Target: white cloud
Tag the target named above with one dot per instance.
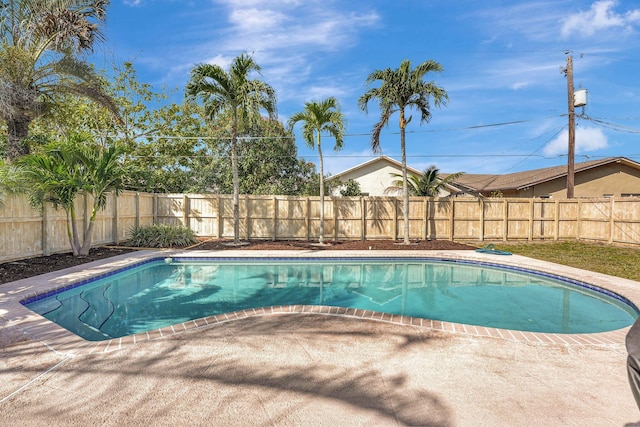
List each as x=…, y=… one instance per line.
x=515, y=73
x=600, y=17
x=222, y=61
x=587, y=139
x=249, y=3
x=291, y=34
x=286, y=36
x=536, y=20
x=256, y=20
x=321, y=91
x=519, y=85
x=286, y=24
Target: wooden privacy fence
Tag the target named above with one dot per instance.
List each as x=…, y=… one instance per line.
x=353, y=218
x=25, y=232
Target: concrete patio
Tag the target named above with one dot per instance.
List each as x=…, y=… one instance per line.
x=318, y=370
x=315, y=369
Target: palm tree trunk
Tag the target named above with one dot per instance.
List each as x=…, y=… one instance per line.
x=236, y=180
x=86, y=243
x=72, y=230
x=405, y=185
x=17, y=131
x=88, y=233
x=321, y=238
x=236, y=191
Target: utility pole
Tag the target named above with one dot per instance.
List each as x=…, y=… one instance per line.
x=572, y=129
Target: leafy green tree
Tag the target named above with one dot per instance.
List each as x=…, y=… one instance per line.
x=59, y=173
x=402, y=88
x=39, y=41
x=351, y=188
x=243, y=97
x=429, y=184
x=267, y=161
x=73, y=114
x=176, y=157
x=159, y=141
x=318, y=117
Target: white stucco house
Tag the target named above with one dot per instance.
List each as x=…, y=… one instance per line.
x=376, y=175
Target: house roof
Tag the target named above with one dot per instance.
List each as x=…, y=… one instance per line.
x=376, y=160
x=522, y=180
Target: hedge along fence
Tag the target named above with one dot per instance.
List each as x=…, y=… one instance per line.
x=25, y=232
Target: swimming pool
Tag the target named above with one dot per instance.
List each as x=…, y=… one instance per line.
x=161, y=292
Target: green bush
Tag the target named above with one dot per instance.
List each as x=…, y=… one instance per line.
x=351, y=188
x=162, y=236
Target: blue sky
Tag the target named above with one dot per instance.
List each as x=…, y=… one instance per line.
x=502, y=63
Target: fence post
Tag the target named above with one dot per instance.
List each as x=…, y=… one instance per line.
x=137, y=218
x=425, y=219
x=220, y=219
x=428, y=225
x=307, y=218
x=481, y=227
x=452, y=219
x=556, y=225
x=248, y=222
x=395, y=219
x=531, y=208
x=611, y=221
x=363, y=207
x=46, y=250
x=579, y=220
x=505, y=209
x=185, y=210
x=335, y=219
x=155, y=209
x=114, y=221
x=275, y=218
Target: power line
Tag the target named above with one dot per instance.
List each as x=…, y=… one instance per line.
x=243, y=138
x=360, y=156
x=537, y=149
x=612, y=126
x=613, y=58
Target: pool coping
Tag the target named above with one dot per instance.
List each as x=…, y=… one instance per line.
x=62, y=341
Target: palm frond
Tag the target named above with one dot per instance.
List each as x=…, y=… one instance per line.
x=320, y=116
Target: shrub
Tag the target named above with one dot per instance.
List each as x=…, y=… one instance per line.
x=162, y=236
x=351, y=188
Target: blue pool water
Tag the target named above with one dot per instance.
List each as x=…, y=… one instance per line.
x=161, y=293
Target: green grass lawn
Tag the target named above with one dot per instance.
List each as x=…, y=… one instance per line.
x=615, y=261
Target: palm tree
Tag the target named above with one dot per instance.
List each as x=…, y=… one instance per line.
x=11, y=180
x=318, y=117
x=62, y=171
x=428, y=184
x=235, y=93
x=402, y=88
x=38, y=43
